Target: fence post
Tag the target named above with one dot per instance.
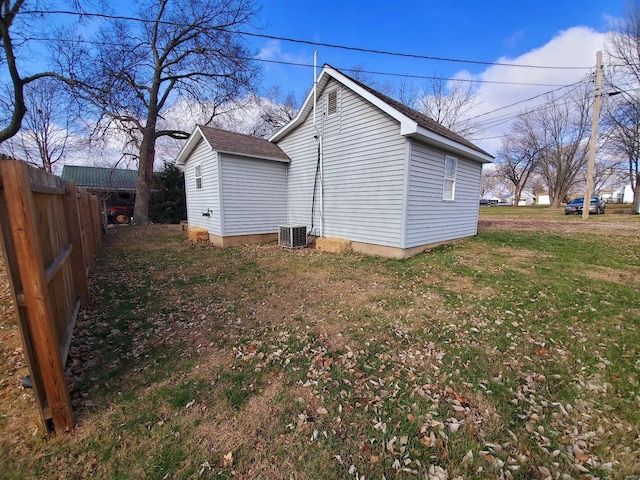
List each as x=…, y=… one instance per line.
x=75, y=237
x=30, y=261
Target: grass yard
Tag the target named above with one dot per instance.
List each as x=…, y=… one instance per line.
x=514, y=355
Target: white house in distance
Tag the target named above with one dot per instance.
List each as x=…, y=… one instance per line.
x=354, y=165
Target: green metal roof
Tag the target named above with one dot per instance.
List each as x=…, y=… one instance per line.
x=99, y=178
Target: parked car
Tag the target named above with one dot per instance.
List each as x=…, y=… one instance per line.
x=576, y=205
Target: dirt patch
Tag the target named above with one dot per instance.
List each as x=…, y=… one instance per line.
x=630, y=276
x=625, y=229
x=231, y=431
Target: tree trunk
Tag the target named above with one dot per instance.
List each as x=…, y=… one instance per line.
x=516, y=197
x=145, y=175
x=636, y=193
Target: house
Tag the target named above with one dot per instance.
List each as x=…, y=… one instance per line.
x=115, y=187
x=354, y=165
x=526, y=199
x=543, y=198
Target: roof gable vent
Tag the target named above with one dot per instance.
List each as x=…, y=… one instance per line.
x=332, y=102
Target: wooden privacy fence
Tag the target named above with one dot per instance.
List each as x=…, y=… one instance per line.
x=50, y=234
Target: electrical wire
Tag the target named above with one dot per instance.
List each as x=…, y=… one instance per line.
x=303, y=41
x=576, y=84
x=308, y=65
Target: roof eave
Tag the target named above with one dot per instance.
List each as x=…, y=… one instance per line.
x=434, y=138
x=249, y=155
x=188, y=147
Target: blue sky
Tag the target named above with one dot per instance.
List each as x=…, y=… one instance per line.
x=545, y=32
x=475, y=30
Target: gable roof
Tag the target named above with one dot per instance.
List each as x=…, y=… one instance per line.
x=99, y=178
x=233, y=143
x=412, y=123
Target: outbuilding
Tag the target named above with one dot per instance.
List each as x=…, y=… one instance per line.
x=236, y=186
x=354, y=165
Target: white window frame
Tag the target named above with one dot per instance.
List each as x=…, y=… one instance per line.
x=449, y=178
x=330, y=93
x=198, y=176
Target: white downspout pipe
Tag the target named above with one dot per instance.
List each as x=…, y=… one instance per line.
x=315, y=87
x=319, y=137
x=321, y=187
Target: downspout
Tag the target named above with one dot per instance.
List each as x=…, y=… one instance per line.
x=315, y=87
x=319, y=138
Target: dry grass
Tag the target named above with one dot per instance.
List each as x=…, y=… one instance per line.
x=512, y=355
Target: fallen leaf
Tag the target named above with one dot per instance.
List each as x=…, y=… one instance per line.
x=227, y=460
x=580, y=455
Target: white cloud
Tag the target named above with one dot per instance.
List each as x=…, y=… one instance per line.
x=575, y=47
x=272, y=50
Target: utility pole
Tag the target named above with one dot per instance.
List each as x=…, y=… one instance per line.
x=594, y=136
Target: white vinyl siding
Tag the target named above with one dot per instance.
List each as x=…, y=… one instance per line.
x=364, y=159
x=207, y=198
x=429, y=219
x=254, y=195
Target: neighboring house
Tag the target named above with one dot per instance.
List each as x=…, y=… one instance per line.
x=115, y=187
x=627, y=194
x=543, y=198
x=526, y=199
x=354, y=164
x=618, y=195
x=609, y=195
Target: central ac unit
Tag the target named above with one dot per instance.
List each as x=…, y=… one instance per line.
x=292, y=236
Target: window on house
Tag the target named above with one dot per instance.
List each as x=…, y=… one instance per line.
x=449, y=186
x=332, y=102
x=198, y=175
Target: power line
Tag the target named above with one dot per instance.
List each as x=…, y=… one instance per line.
x=308, y=65
x=526, y=100
x=306, y=42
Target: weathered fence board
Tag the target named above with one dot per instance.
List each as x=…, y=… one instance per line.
x=50, y=236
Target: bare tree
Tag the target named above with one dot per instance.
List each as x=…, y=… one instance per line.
x=277, y=111
x=490, y=179
x=558, y=131
x=13, y=97
x=518, y=157
x=188, y=49
x=622, y=115
x=449, y=103
x=256, y=115
x=46, y=135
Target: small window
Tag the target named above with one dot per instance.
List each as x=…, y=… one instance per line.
x=198, y=175
x=449, y=186
x=332, y=102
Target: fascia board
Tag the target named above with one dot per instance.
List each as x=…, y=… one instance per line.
x=434, y=138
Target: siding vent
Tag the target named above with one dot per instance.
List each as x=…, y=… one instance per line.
x=332, y=102
x=292, y=236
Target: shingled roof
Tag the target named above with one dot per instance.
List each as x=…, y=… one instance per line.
x=233, y=143
x=412, y=123
x=98, y=178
